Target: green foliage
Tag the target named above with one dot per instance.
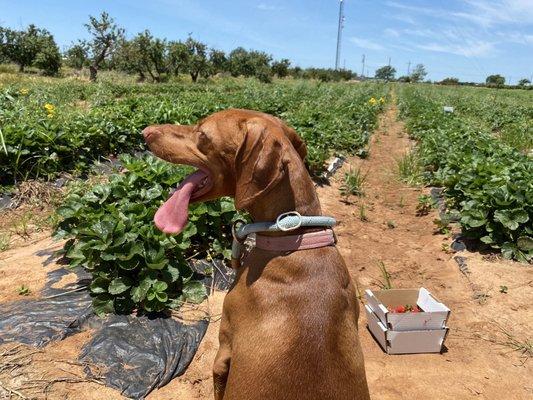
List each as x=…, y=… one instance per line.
x=495, y=80
x=489, y=183
x=77, y=56
x=386, y=73
x=410, y=170
x=133, y=265
x=353, y=183
x=40, y=142
x=418, y=74
x=281, y=68
x=31, y=47
x=23, y=290
x=105, y=36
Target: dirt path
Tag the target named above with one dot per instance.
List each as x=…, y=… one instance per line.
x=474, y=366
x=413, y=254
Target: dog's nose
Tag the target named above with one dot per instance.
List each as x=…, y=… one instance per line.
x=148, y=131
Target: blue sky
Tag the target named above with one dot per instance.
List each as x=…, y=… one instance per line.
x=468, y=39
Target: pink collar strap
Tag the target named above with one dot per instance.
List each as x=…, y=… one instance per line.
x=311, y=240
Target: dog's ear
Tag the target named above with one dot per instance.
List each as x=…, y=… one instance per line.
x=296, y=140
x=260, y=161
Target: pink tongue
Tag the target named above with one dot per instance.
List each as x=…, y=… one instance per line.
x=172, y=216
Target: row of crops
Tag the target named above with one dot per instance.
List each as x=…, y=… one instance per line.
x=65, y=126
x=487, y=177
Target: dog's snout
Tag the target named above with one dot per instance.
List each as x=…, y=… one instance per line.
x=149, y=131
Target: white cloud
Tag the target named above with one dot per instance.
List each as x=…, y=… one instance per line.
x=391, y=32
x=366, y=43
x=268, y=7
x=480, y=12
x=467, y=49
x=515, y=37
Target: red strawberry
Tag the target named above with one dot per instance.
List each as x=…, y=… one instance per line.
x=400, y=309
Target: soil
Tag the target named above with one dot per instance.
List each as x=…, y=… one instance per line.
x=487, y=350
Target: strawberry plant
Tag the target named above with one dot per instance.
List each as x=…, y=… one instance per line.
x=486, y=181
x=111, y=234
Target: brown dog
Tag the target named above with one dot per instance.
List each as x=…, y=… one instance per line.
x=289, y=324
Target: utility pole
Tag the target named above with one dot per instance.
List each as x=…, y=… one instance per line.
x=389, y=62
x=408, y=68
x=339, y=34
x=363, y=70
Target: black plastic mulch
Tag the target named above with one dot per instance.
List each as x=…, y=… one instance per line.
x=137, y=353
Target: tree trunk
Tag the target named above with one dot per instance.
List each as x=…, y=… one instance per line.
x=194, y=76
x=142, y=77
x=93, y=72
x=21, y=67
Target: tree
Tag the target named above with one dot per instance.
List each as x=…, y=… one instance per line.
x=77, y=55
x=105, y=36
x=144, y=55
x=250, y=63
x=524, y=82
x=217, y=61
x=495, y=80
x=449, y=81
x=34, y=46
x=281, y=68
x=419, y=73
x=177, y=57
x=198, y=63
x=404, y=78
x=386, y=73
x=48, y=58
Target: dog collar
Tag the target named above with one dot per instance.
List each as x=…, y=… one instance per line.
x=285, y=222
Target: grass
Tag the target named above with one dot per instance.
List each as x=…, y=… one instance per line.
x=386, y=283
x=362, y=213
x=23, y=290
x=4, y=241
x=354, y=180
x=410, y=169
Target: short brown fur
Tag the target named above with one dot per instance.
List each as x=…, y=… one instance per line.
x=289, y=323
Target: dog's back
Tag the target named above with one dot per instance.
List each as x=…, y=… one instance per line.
x=291, y=328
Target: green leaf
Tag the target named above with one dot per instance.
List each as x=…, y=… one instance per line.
x=194, y=291
x=103, y=304
x=138, y=293
x=525, y=243
x=99, y=285
x=119, y=285
x=160, y=286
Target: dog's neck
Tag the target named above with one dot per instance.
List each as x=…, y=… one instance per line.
x=295, y=192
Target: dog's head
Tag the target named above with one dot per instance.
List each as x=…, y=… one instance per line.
x=237, y=153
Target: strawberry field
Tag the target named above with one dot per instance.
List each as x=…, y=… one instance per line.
x=64, y=126
x=481, y=155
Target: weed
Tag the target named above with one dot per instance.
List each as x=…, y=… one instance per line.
x=362, y=213
x=353, y=183
x=23, y=290
x=402, y=202
x=410, y=169
x=4, y=241
x=386, y=284
x=503, y=289
x=391, y=224
x=425, y=204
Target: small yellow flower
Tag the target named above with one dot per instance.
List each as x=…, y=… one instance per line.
x=381, y=100
x=50, y=115
x=49, y=107
x=372, y=101
x=24, y=91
